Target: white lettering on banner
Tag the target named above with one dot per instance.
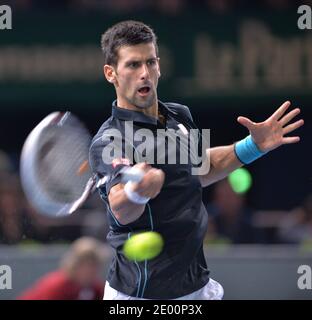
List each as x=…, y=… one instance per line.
x=5, y=17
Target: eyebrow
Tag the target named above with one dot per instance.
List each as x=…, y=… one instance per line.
x=138, y=60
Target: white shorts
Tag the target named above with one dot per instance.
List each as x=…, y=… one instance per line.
x=211, y=291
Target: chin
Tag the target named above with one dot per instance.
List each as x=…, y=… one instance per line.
x=145, y=104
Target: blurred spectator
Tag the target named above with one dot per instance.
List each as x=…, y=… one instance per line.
x=230, y=220
x=12, y=211
x=78, y=277
x=296, y=226
x=94, y=221
x=267, y=223
x=5, y=165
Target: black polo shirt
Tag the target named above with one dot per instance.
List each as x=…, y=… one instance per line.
x=177, y=213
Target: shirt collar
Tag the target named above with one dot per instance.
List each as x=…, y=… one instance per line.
x=137, y=116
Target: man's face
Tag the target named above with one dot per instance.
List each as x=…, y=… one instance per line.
x=86, y=273
x=137, y=74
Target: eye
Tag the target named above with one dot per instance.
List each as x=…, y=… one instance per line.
x=134, y=64
x=151, y=62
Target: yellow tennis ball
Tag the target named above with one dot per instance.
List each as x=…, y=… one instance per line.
x=143, y=246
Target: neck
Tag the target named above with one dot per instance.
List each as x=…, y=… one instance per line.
x=152, y=111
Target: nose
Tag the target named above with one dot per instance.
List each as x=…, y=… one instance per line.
x=144, y=72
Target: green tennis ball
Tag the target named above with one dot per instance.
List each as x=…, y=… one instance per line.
x=143, y=246
x=240, y=180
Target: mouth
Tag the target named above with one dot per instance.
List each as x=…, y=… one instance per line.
x=144, y=91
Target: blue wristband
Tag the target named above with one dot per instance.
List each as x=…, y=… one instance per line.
x=247, y=151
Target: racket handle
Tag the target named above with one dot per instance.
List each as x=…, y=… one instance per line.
x=132, y=174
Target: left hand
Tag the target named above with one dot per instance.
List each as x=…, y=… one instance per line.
x=270, y=134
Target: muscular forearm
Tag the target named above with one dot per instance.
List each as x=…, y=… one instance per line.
x=223, y=161
x=123, y=209
x=127, y=206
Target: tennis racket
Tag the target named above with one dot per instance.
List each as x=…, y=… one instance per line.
x=54, y=167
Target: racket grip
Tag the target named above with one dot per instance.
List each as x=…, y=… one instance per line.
x=132, y=174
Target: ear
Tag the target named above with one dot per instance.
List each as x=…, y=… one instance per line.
x=109, y=73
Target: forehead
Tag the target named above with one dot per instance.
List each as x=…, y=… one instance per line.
x=137, y=52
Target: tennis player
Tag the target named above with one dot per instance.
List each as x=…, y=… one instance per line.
x=169, y=198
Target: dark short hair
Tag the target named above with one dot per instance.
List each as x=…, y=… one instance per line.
x=125, y=33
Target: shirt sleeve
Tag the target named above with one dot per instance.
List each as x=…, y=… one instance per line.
x=107, y=157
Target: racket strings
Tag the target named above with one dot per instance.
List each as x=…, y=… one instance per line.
x=62, y=152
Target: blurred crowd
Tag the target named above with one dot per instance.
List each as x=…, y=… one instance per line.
x=20, y=223
x=231, y=220
x=172, y=7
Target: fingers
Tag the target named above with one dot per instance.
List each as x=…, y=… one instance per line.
x=246, y=122
x=293, y=126
x=280, y=111
x=289, y=116
x=288, y=140
x=144, y=166
x=151, y=184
